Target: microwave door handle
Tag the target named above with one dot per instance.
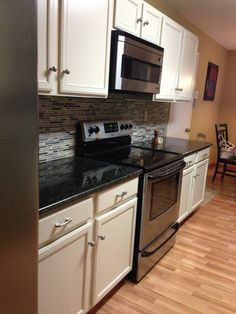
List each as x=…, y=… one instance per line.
x=166, y=175
x=147, y=254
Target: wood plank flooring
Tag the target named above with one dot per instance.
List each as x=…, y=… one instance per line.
x=198, y=275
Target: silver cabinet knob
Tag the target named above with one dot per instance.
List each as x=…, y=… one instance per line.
x=53, y=69
x=91, y=243
x=145, y=23
x=187, y=130
x=139, y=20
x=101, y=237
x=66, y=71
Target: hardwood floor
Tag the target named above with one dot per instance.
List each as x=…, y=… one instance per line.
x=198, y=275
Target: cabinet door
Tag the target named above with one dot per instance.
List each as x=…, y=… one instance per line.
x=186, y=190
x=47, y=45
x=179, y=119
x=85, y=46
x=199, y=183
x=171, y=41
x=64, y=274
x=187, y=67
x=152, y=23
x=128, y=16
x=114, y=252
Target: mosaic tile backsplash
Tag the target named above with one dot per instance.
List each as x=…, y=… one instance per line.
x=58, y=117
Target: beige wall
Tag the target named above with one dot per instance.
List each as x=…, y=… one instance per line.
x=205, y=113
x=228, y=101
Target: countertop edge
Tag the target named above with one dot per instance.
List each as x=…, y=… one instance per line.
x=55, y=207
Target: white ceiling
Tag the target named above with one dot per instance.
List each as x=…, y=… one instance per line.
x=217, y=18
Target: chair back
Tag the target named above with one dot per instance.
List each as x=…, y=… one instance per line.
x=221, y=130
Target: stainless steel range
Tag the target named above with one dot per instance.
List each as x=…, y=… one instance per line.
x=159, y=187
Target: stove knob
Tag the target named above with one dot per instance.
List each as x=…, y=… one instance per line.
x=130, y=125
x=122, y=126
x=90, y=130
x=94, y=179
x=126, y=126
x=96, y=129
x=88, y=180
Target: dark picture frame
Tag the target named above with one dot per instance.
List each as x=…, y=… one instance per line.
x=211, y=80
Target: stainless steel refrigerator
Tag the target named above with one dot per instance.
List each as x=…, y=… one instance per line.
x=18, y=157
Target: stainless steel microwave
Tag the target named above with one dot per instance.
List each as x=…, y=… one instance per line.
x=135, y=64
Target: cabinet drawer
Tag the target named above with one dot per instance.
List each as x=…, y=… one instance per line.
x=203, y=154
x=190, y=160
x=116, y=195
x=56, y=225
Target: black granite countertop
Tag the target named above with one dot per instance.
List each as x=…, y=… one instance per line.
x=176, y=145
x=67, y=180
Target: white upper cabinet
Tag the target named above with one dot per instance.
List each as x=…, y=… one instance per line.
x=47, y=43
x=139, y=18
x=187, y=67
x=179, y=62
x=151, y=24
x=128, y=16
x=171, y=41
x=84, y=46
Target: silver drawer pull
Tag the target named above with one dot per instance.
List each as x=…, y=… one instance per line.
x=139, y=20
x=146, y=23
x=62, y=224
x=101, y=237
x=121, y=194
x=91, y=243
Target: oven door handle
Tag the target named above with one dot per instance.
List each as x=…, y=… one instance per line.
x=147, y=254
x=168, y=174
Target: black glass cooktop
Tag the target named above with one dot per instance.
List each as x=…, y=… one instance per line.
x=139, y=157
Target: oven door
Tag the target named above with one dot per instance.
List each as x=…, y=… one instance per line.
x=160, y=202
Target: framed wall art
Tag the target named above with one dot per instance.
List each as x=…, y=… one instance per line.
x=211, y=79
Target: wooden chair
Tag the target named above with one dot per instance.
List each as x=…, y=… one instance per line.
x=222, y=130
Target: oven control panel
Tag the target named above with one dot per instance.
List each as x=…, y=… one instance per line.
x=97, y=130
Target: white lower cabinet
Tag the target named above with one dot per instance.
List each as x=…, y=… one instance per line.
x=199, y=183
x=193, y=182
x=64, y=273
x=186, y=190
x=85, y=250
x=114, y=251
